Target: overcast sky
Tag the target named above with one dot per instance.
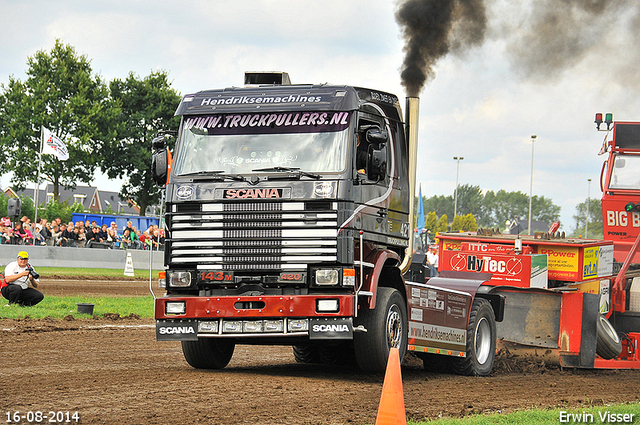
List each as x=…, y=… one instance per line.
x=542, y=67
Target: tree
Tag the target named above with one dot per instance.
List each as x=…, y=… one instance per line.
x=443, y=224
x=502, y=206
x=493, y=209
x=457, y=224
x=595, y=220
x=469, y=223
x=145, y=107
x=431, y=221
x=465, y=223
x=62, y=210
x=62, y=95
x=470, y=200
x=440, y=204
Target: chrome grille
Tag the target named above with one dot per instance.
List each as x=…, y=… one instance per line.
x=253, y=236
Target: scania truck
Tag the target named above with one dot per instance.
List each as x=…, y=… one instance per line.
x=289, y=213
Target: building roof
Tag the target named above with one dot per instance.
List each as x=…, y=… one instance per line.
x=91, y=198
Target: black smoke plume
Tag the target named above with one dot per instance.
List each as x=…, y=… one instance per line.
x=433, y=28
x=542, y=38
x=559, y=34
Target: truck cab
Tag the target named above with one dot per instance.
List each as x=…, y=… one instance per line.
x=620, y=185
x=287, y=206
x=289, y=216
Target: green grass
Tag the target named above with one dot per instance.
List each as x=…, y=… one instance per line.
x=59, y=307
x=544, y=416
x=79, y=271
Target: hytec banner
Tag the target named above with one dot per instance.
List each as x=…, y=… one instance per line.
x=54, y=146
x=526, y=270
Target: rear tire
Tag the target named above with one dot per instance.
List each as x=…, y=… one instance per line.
x=436, y=363
x=386, y=327
x=208, y=353
x=306, y=353
x=481, y=341
x=608, y=344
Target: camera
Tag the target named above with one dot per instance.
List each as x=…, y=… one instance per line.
x=32, y=272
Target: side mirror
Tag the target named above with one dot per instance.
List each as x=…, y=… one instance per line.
x=376, y=136
x=160, y=166
x=377, y=164
x=14, y=207
x=158, y=143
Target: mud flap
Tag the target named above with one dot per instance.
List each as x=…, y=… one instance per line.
x=176, y=330
x=561, y=321
x=531, y=317
x=578, y=331
x=331, y=328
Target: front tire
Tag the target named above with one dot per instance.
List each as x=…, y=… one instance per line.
x=208, y=353
x=308, y=354
x=481, y=341
x=386, y=327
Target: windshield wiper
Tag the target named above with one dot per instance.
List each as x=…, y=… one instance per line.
x=215, y=173
x=297, y=172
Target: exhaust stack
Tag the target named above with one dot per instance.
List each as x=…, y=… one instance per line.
x=411, y=127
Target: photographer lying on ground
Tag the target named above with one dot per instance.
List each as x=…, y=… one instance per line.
x=15, y=286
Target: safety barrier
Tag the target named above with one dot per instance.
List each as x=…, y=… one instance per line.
x=52, y=256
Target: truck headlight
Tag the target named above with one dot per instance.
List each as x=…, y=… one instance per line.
x=324, y=306
x=175, y=307
x=327, y=277
x=274, y=325
x=208, y=327
x=298, y=325
x=179, y=279
x=252, y=326
x=232, y=326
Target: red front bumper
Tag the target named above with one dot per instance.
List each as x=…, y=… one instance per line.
x=259, y=306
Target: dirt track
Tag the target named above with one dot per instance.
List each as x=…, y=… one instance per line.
x=113, y=371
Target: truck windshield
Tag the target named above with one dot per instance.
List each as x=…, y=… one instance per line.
x=239, y=143
x=624, y=174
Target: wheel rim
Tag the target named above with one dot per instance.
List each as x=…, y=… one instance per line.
x=394, y=326
x=606, y=325
x=483, y=340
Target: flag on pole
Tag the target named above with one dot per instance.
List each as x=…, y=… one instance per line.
x=421, y=219
x=54, y=146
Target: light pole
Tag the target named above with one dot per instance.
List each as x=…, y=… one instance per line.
x=533, y=139
x=586, y=220
x=455, y=196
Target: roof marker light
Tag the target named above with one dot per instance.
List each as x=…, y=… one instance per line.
x=598, y=121
x=608, y=119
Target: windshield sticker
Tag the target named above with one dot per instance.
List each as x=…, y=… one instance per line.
x=240, y=100
x=288, y=122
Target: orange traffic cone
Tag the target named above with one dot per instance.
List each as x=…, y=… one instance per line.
x=391, y=409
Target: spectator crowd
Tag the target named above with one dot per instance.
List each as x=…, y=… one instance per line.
x=79, y=234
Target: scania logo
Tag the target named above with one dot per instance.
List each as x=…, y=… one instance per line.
x=330, y=328
x=184, y=192
x=252, y=193
x=172, y=330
